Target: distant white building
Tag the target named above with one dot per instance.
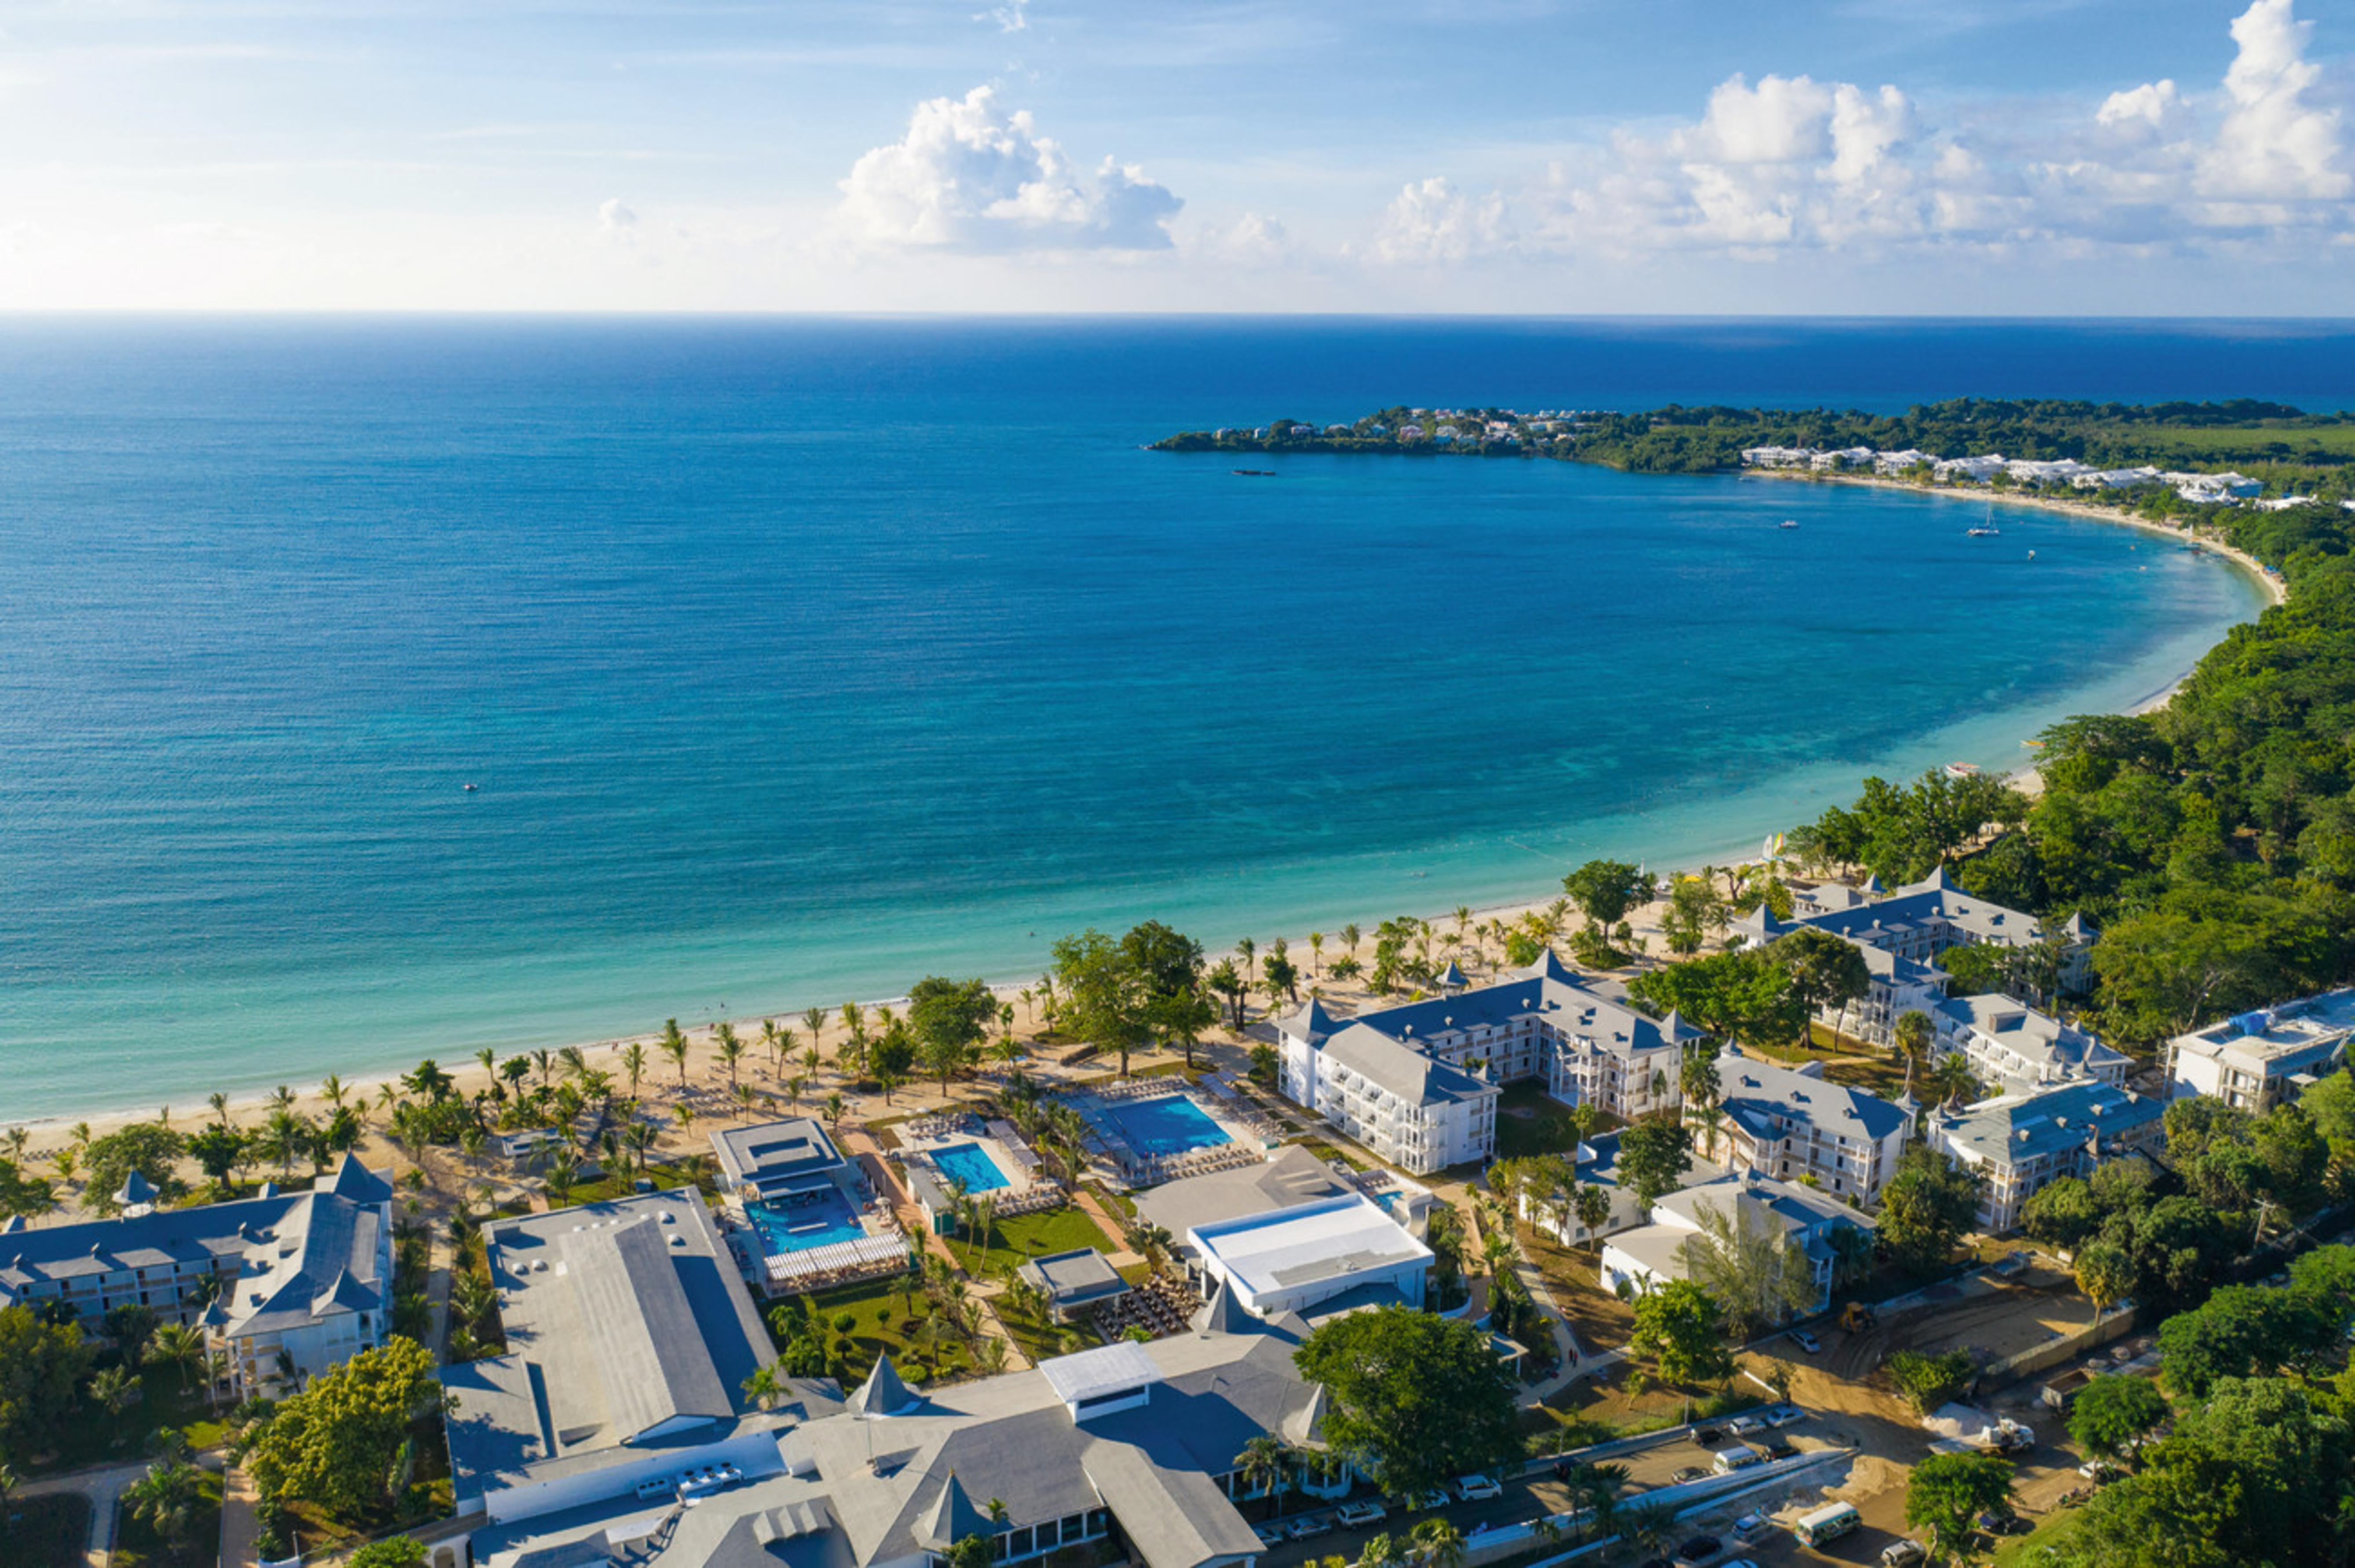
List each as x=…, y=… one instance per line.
x=2116, y=478
x=2256, y=1060
x=1297, y=1258
x=1901, y=461
x=1846, y=457
x=1777, y=457
x=1652, y=1254
x=2284, y=503
x=2064, y=470
x=2019, y=1144
x=1978, y=469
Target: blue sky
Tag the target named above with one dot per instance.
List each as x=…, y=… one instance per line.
x=1972, y=156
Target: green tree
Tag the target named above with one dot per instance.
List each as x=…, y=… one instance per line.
x=950, y=1018
x=1925, y=1208
x=398, y=1552
x=1948, y=1492
x=2111, y=1412
x=150, y=1148
x=28, y=1197
x=2061, y=1214
x=1827, y=973
x=2105, y=1272
x=41, y=1363
x=166, y=1499
x=334, y=1443
x=1107, y=1001
x=1176, y=1004
x=893, y=1057
x=1682, y=1329
x=1437, y=1543
x=1267, y=1466
x=1928, y=1382
x=1653, y=1159
x=2240, y=1331
x=1604, y=890
x=1749, y=1266
x=1415, y=1399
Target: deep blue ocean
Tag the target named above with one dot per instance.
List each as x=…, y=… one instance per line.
x=796, y=660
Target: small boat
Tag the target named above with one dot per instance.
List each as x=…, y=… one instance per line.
x=1962, y=769
x=470, y=788
x=1788, y=522
x=1982, y=533
x=1257, y=472
x=2032, y=555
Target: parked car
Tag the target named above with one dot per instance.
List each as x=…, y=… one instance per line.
x=1782, y=1448
x=1784, y=1416
x=1698, y=1551
x=2004, y=1524
x=1689, y=1473
x=1903, y=1555
x=1805, y=1341
x=1743, y=1425
x=1750, y=1524
x=1478, y=1489
x=1436, y=1497
x=1707, y=1436
x=1311, y=1526
x=1357, y=1515
x=2096, y=1471
x=1270, y=1533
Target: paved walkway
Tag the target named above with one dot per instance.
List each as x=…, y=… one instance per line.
x=240, y=1521
x=103, y=1486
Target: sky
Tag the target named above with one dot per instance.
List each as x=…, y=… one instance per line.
x=1814, y=157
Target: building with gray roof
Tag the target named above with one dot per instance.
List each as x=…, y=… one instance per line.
x=1789, y=1123
x=2018, y=1144
x=630, y=1335
x=284, y=1286
x=1379, y=1076
x=1748, y=1204
x=2014, y=1048
x=772, y=1159
x=1072, y=1282
x=1133, y=1445
x=2256, y=1060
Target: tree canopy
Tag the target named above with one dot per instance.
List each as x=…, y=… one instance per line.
x=335, y=1443
x=1417, y=1398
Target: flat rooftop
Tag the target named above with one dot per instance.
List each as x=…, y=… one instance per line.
x=772, y=1151
x=1288, y=1248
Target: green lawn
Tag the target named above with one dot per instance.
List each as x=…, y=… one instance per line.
x=1326, y=1152
x=45, y=1531
x=138, y=1546
x=1530, y=1121
x=1024, y=1236
x=886, y=1315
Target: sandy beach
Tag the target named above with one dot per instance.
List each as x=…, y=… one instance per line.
x=707, y=1076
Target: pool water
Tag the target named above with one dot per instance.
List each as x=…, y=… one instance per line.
x=804, y=1221
x=969, y=1163
x=1169, y=1126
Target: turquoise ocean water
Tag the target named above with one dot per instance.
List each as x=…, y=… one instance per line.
x=793, y=660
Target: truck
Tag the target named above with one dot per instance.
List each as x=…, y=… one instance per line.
x=2058, y=1394
x=1977, y=1430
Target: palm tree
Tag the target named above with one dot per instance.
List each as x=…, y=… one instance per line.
x=814, y=1020
x=563, y=1172
x=576, y=1062
x=489, y=1058
x=779, y=1043
x=165, y=1499
x=795, y=1086
x=1350, y=935
x=1265, y=1465
x=731, y=1052
x=1316, y=953
x=176, y=1344
x=1380, y=1550
x=1247, y=951
x=633, y=1062
x=854, y=1042
x=1647, y=1526
x=1952, y=1078
x=766, y=1386
x=673, y=1044
x=545, y=1060
x=1437, y=1544
x=219, y=1102
x=835, y=1108
x=115, y=1387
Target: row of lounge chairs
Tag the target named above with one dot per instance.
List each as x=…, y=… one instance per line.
x=1161, y=1305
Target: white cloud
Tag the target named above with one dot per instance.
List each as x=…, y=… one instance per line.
x=2274, y=145
x=1254, y=240
x=1012, y=18
x=970, y=176
x=613, y=218
x=1432, y=221
x=1796, y=165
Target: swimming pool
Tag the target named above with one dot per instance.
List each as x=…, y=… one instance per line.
x=819, y=1217
x=1172, y=1125
x=970, y=1164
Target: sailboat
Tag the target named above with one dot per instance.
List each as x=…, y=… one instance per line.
x=1986, y=530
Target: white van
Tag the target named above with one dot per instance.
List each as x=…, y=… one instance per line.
x=1741, y=1456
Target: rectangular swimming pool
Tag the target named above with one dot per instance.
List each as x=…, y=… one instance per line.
x=970, y=1164
x=1172, y=1125
x=819, y=1217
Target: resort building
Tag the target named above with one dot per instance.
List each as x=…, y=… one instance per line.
x=775, y=1159
x=1645, y=1258
x=1901, y=937
x=629, y=1342
x=1301, y=1257
x=1791, y=1124
x=2018, y=1144
x=1421, y=1078
x=2256, y=1060
x=2013, y=1048
x=1072, y=1283
x=1126, y=1450
x=285, y=1285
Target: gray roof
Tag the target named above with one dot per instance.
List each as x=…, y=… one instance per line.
x=1401, y=1069
x=1595, y=1009
x=1758, y=1094
x=1312, y=1021
x=2017, y=1128
x=627, y=1325
x=1082, y=1274
x=2033, y=1035
x=772, y=1153
x=1294, y=1176
x=1936, y=898
x=883, y=1393
x=297, y=1255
